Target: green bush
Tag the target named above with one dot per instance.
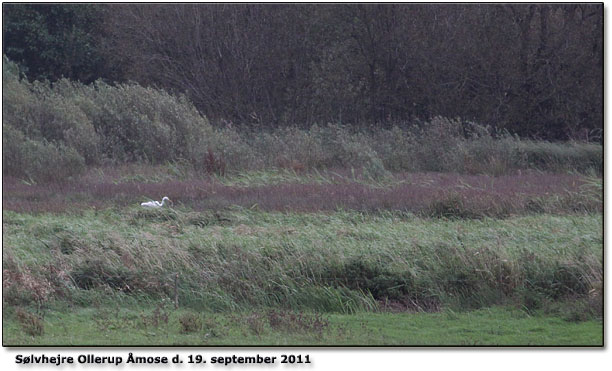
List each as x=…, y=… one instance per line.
x=100, y=122
x=37, y=110
x=38, y=160
x=145, y=124
x=73, y=123
x=576, y=156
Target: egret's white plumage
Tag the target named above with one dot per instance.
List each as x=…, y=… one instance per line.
x=155, y=204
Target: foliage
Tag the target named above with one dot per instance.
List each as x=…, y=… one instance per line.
x=72, y=123
x=54, y=41
x=374, y=64
x=38, y=160
x=95, y=124
x=368, y=65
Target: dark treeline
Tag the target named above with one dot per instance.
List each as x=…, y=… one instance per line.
x=534, y=70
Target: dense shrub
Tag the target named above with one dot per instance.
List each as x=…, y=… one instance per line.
x=555, y=156
x=143, y=124
x=38, y=160
x=41, y=114
x=66, y=124
x=99, y=122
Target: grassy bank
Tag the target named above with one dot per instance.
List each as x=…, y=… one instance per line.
x=342, y=262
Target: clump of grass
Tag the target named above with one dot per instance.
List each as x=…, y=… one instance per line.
x=582, y=310
x=23, y=285
x=31, y=324
x=297, y=322
x=573, y=202
x=255, y=323
x=190, y=322
x=474, y=277
x=213, y=328
x=371, y=277
x=452, y=205
x=161, y=215
x=573, y=308
x=374, y=168
x=97, y=273
x=159, y=316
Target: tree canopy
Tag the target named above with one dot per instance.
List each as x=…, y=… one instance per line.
x=532, y=69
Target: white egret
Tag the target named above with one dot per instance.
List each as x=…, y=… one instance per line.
x=155, y=204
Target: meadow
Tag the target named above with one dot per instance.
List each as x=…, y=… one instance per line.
x=279, y=258
x=429, y=232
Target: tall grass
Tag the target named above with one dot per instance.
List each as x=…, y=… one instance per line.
x=51, y=131
x=341, y=262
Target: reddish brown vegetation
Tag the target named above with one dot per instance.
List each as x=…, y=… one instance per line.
x=214, y=164
x=437, y=194
x=284, y=163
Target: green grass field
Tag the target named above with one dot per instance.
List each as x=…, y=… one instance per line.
x=133, y=326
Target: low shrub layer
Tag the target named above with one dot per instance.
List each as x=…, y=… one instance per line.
x=38, y=159
x=66, y=124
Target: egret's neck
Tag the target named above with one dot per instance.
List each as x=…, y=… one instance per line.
x=163, y=202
